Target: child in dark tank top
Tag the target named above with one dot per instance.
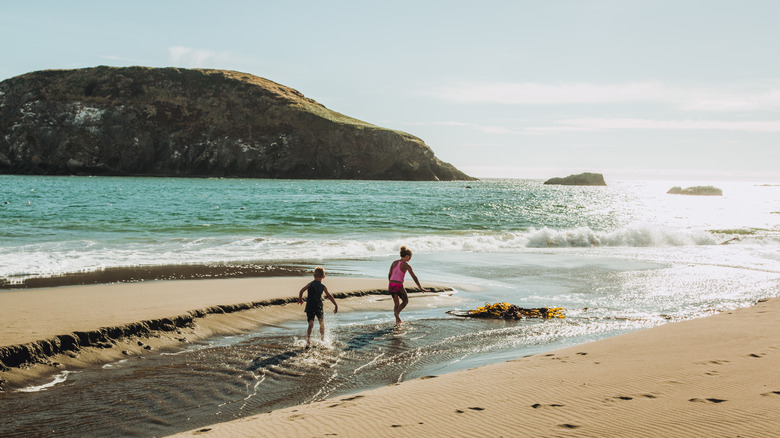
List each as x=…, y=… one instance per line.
x=315, y=290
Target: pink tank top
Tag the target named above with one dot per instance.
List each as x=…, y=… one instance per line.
x=398, y=274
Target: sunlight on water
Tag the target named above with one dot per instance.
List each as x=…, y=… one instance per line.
x=74, y=223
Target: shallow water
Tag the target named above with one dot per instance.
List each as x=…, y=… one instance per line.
x=231, y=377
x=271, y=369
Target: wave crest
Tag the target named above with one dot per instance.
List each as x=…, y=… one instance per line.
x=77, y=256
x=632, y=236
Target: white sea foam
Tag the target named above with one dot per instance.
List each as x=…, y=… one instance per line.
x=59, y=378
x=54, y=258
x=114, y=364
x=633, y=236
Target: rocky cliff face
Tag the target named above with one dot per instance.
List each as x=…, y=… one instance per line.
x=180, y=122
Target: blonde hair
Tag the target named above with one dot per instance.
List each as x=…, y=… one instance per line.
x=405, y=252
x=319, y=272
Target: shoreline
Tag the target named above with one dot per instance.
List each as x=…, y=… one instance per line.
x=710, y=376
x=96, y=324
x=131, y=274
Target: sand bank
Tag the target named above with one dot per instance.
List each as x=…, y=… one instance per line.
x=43, y=330
x=713, y=376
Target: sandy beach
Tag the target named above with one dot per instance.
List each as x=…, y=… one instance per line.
x=713, y=376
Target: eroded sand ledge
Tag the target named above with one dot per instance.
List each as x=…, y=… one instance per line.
x=44, y=330
x=713, y=376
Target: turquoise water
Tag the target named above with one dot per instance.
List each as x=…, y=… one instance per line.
x=617, y=258
x=55, y=225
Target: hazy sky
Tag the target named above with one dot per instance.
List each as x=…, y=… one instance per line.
x=685, y=90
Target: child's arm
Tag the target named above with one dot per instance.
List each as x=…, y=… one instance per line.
x=332, y=300
x=414, y=277
x=300, y=294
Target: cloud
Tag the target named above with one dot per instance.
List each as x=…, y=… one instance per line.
x=529, y=93
x=189, y=57
x=610, y=124
x=595, y=124
x=487, y=129
x=117, y=58
x=731, y=97
x=766, y=100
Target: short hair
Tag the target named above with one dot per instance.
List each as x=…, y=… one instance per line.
x=319, y=272
x=405, y=251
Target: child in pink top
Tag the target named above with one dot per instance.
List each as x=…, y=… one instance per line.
x=398, y=271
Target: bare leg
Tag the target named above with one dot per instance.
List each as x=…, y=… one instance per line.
x=401, y=299
x=396, y=308
x=322, y=329
x=308, y=332
x=404, y=300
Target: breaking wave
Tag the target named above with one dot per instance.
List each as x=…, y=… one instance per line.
x=55, y=258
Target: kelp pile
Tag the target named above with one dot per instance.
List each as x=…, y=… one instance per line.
x=511, y=311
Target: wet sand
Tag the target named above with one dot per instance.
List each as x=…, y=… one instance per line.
x=713, y=376
x=45, y=330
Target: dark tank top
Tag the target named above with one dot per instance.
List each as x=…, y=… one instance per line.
x=314, y=298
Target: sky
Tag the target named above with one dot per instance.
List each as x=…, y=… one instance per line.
x=683, y=90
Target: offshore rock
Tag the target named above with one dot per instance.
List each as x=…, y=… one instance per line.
x=186, y=122
x=696, y=191
x=582, y=179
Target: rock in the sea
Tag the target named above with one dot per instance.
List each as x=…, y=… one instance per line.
x=582, y=179
x=696, y=191
x=183, y=122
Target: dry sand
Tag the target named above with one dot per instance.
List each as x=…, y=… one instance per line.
x=35, y=314
x=714, y=376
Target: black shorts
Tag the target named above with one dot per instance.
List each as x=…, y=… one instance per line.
x=310, y=314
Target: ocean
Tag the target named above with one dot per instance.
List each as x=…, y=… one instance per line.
x=617, y=258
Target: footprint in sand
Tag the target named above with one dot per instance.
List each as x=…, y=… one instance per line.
x=539, y=405
x=345, y=400
x=473, y=408
x=757, y=355
x=707, y=400
x=568, y=426
x=626, y=397
x=771, y=393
